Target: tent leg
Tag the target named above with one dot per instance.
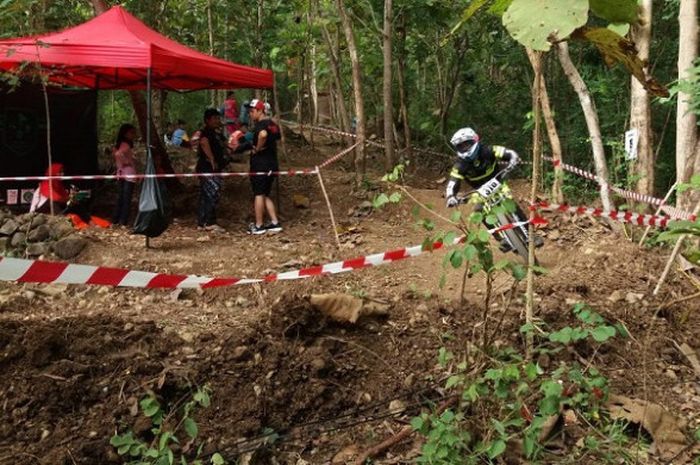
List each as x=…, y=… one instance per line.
x=48, y=140
x=149, y=109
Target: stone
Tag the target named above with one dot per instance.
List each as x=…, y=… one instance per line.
x=4, y=241
x=39, y=234
x=409, y=381
x=616, y=296
x=9, y=227
x=396, y=406
x=554, y=235
x=69, y=247
x=38, y=220
x=60, y=228
x=241, y=353
x=36, y=249
x=301, y=201
x=18, y=240
x=633, y=297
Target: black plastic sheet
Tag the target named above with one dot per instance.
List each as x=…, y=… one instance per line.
x=155, y=208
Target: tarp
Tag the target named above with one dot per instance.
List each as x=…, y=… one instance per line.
x=114, y=51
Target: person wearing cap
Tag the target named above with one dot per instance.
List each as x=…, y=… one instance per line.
x=210, y=159
x=263, y=159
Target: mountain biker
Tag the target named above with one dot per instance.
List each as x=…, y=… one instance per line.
x=477, y=163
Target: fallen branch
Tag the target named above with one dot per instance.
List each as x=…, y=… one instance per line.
x=398, y=437
x=678, y=301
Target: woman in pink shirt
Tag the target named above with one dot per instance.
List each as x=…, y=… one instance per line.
x=124, y=158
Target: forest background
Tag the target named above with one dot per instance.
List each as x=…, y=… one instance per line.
x=441, y=77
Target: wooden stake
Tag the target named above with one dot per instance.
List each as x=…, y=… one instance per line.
x=330, y=208
x=674, y=254
x=668, y=194
x=536, y=60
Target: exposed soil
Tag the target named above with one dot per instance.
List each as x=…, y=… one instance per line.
x=74, y=361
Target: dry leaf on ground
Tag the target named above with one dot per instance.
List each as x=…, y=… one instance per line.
x=346, y=308
x=664, y=428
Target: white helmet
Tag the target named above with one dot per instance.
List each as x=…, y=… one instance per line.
x=466, y=143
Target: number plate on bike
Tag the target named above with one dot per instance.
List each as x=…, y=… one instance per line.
x=489, y=188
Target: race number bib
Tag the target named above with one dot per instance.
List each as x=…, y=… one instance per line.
x=489, y=188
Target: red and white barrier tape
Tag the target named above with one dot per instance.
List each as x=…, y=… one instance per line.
x=338, y=157
x=93, y=177
x=623, y=217
x=39, y=271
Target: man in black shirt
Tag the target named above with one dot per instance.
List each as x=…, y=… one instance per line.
x=210, y=159
x=263, y=159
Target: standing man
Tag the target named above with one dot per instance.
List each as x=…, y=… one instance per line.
x=210, y=159
x=263, y=158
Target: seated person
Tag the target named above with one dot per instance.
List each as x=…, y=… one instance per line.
x=241, y=139
x=180, y=137
x=50, y=189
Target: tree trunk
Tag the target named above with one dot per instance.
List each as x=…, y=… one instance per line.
x=640, y=107
x=161, y=159
x=337, y=79
x=591, y=115
x=387, y=88
x=360, y=159
x=258, y=55
x=400, y=75
x=686, y=128
x=210, y=26
x=552, y=134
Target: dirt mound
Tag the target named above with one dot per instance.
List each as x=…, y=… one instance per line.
x=69, y=383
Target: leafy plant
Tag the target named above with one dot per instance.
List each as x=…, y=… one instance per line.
x=505, y=397
x=166, y=447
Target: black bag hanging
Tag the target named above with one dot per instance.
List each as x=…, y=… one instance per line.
x=154, y=205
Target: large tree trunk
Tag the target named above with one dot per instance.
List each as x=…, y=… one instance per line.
x=400, y=75
x=591, y=115
x=686, y=128
x=552, y=134
x=387, y=88
x=640, y=107
x=161, y=159
x=337, y=79
x=210, y=27
x=360, y=159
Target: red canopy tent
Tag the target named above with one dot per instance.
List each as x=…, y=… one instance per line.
x=117, y=51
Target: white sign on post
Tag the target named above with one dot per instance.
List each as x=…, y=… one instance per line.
x=631, y=143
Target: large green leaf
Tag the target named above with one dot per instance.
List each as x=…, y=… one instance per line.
x=615, y=11
x=617, y=49
x=534, y=23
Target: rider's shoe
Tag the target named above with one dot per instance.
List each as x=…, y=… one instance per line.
x=504, y=246
x=539, y=241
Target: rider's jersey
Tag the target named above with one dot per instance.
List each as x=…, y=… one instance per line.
x=478, y=171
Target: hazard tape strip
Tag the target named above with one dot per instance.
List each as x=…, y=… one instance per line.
x=623, y=217
x=338, y=156
x=40, y=271
x=93, y=177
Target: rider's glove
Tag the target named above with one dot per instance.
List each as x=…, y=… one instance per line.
x=452, y=201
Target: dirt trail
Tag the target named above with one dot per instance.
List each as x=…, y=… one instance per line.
x=73, y=360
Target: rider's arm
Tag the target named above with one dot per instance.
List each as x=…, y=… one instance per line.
x=453, y=184
x=507, y=155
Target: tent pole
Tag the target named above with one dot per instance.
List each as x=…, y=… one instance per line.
x=149, y=159
x=48, y=140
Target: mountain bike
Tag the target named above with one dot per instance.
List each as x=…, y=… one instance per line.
x=510, y=226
